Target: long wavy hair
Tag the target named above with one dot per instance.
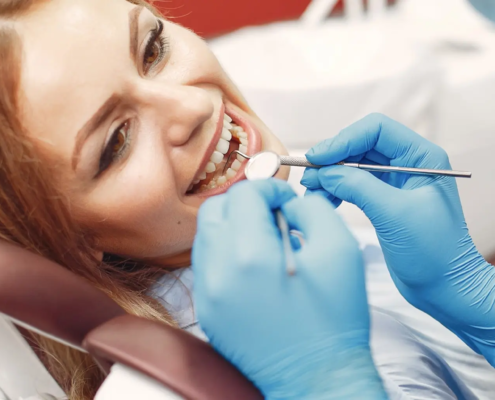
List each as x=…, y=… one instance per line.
x=36, y=216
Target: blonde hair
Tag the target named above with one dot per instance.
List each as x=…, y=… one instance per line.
x=35, y=215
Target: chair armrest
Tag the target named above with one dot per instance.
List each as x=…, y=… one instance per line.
x=178, y=360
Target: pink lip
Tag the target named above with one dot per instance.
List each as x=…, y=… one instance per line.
x=254, y=147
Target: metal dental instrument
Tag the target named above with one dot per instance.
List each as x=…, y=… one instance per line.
x=266, y=164
x=263, y=168
x=274, y=161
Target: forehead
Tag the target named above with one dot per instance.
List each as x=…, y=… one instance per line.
x=73, y=53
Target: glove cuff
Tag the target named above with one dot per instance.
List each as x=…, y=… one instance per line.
x=324, y=368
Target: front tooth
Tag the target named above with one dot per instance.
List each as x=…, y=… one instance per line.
x=227, y=124
x=227, y=118
x=221, y=180
x=236, y=165
x=223, y=146
x=236, y=130
x=230, y=173
x=240, y=158
x=190, y=187
x=196, y=181
x=216, y=157
x=226, y=135
x=242, y=135
x=210, y=167
x=242, y=148
x=243, y=141
x=202, y=176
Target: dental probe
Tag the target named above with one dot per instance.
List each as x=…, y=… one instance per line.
x=303, y=162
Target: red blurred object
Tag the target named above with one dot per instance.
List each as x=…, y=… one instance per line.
x=214, y=17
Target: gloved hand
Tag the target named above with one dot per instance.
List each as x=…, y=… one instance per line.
x=419, y=222
x=296, y=337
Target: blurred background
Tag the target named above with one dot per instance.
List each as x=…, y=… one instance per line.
x=310, y=68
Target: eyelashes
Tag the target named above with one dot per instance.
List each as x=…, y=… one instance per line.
x=156, y=49
x=116, y=147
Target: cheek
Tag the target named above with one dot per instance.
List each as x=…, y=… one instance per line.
x=140, y=216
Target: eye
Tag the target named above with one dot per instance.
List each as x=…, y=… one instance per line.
x=120, y=140
x=116, y=147
x=156, y=48
x=153, y=54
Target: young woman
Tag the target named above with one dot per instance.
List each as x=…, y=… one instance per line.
x=114, y=125
x=109, y=117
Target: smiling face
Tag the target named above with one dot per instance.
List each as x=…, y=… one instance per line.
x=133, y=111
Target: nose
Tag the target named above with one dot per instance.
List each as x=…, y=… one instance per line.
x=178, y=109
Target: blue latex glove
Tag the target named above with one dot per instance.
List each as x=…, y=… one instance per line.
x=296, y=337
x=419, y=222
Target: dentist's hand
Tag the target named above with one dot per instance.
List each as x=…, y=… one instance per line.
x=419, y=222
x=296, y=337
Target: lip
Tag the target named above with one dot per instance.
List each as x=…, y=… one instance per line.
x=254, y=137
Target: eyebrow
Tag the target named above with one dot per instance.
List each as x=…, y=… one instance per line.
x=111, y=104
x=92, y=125
x=134, y=31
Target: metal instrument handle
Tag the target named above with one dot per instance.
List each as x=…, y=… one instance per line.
x=303, y=162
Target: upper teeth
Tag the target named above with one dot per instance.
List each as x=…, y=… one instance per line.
x=223, y=146
x=230, y=129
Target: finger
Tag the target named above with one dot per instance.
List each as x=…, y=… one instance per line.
x=375, y=131
x=212, y=212
x=262, y=196
x=255, y=235
x=329, y=246
x=323, y=193
x=211, y=223
x=376, y=157
x=310, y=179
x=313, y=217
x=209, y=256
x=357, y=187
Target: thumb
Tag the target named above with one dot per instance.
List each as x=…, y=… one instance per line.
x=358, y=187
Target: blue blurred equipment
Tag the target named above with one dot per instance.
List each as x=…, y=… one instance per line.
x=419, y=222
x=485, y=7
x=296, y=337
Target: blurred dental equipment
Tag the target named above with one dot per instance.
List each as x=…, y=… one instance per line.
x=266, y=164
x=317, y=11
x=354, y=9
x=377, y=7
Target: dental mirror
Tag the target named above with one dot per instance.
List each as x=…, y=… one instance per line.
x=262, y=166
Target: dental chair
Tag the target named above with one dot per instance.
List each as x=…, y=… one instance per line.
x=142, y=359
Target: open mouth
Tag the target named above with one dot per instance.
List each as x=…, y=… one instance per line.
x=212, y=178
